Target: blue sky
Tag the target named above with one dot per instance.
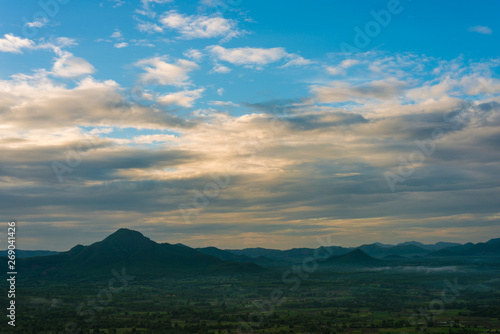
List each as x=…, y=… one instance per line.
x=348, y=119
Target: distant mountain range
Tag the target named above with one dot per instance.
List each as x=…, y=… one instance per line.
x=29, y=253
x=434, y=247
x=139, y=254
x=355, y=257
x=491, y=247
x=410, y=249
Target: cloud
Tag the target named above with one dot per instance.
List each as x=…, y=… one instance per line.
x=194, y=54
x=342, y=67
x=121, y=45
x=254, y=57
x=149, y=27
x=38, y=23
x=296, y=168
x=118, y=3
x=36, y=105
x=146, y=4
x=66, y=65
x=248, y=55
x=117, y=34
x=160, y=72
x=220, y=69
x=184, y=98
x=200, y=26
x=158, y=138
x=481, y=30
x=296, y=60
x=69, y=66
x=14, y=44
x=339, y=91
x=223, y=103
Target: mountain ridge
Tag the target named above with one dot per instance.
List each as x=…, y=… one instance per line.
x=139, y=254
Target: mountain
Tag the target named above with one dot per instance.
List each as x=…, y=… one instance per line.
x=29, y=253
x=290, y=255
x=490, y=248
x=401, y=249
x=355, y=257
x=138, y=254
x=437, y=246
x=230, y=256
x=382, y=245
x=225, y=255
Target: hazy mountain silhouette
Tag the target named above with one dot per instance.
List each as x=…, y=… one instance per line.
x=437, y=246
x=401, y=249
x=355, y=257
x=225, y=255
x=29, y=253
x=290, y=255
x=490, y=248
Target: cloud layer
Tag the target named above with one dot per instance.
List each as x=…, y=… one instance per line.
x=203, y=135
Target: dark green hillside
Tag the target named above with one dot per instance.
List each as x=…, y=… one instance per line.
x=137, y=253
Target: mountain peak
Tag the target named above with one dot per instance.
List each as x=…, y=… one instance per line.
x=126, y=235
x=356, y=256
x=127, y=240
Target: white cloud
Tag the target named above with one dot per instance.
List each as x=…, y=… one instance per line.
x=117, y=34
x=248, y=55
x=194, y=54
x=14, y=44
x=142, y=42
x=149, y=27
x=349, y=63
x=224, y=103
x=147, y=5
x=200, y=26
x=66, y=65
x=341, y=68
x=220, y=91
x=65, y=41
x=38, y=23
x=221, y=69
x=184, y=98
x=121, y=45
x=69, y=66
x=160, y=72
x=118, y=3
x=296, y=60
x=481, y=30
x=100, y=130
x=335, y=70
x=34, y=105
x=340, y=91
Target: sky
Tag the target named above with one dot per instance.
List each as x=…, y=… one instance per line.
x=238, y=123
